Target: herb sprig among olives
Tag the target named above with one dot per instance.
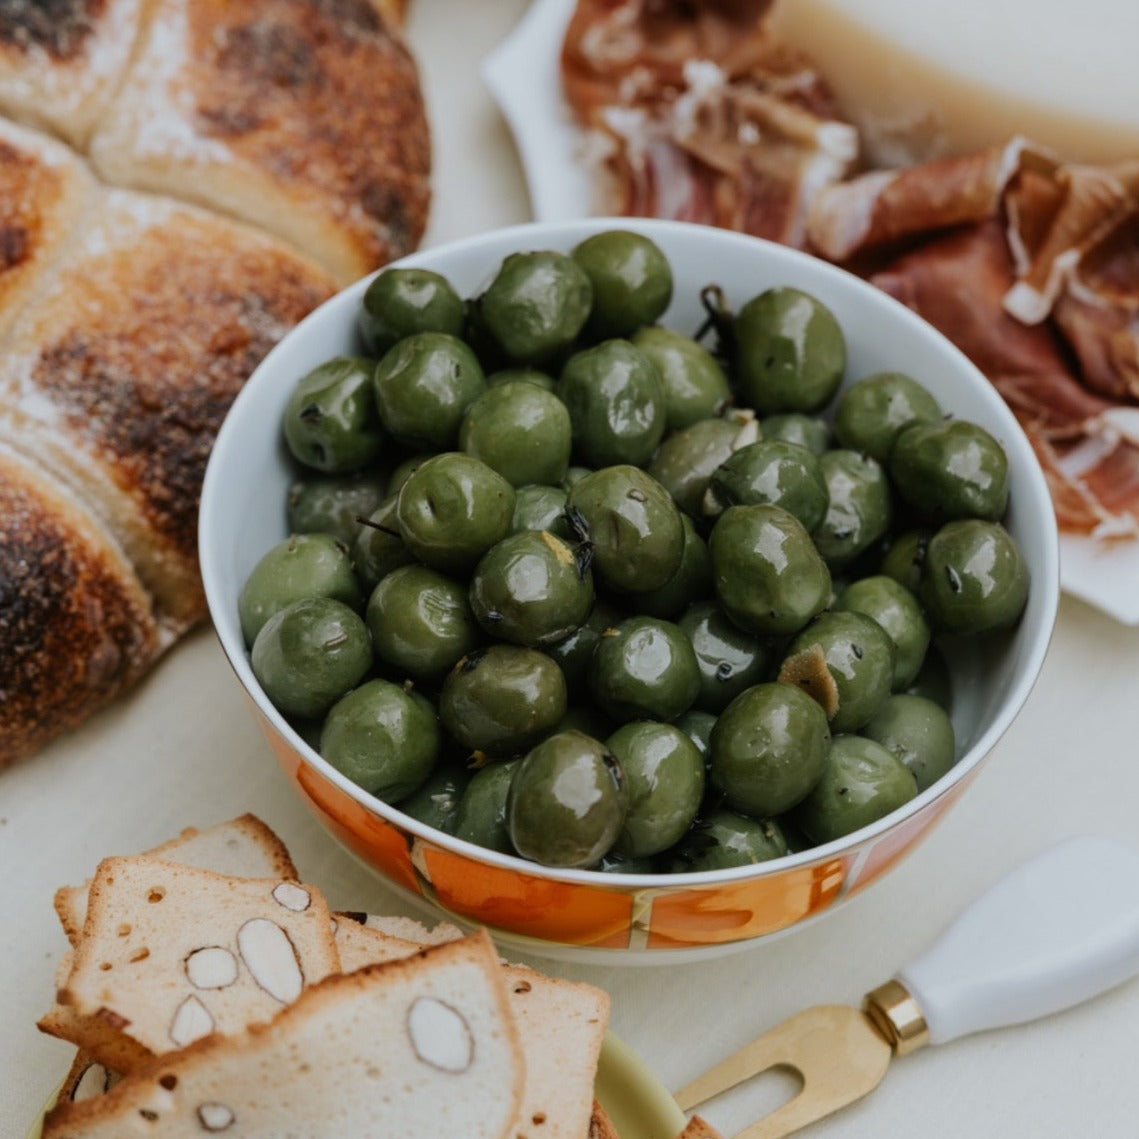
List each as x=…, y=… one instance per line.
x=579, y=587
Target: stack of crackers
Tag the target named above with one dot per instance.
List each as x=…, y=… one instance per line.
x=209, y=990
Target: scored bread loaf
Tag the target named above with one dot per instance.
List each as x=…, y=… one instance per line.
x=228, y=167
x=420, y=1048
x=170, y=954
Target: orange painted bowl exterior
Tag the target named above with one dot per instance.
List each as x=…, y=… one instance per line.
x=624, y=917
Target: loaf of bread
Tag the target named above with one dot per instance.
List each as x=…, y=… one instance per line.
x=181, y=181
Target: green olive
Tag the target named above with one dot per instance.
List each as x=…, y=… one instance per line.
x=452, y=509
x=631, y=279
x=645, y=667
x=664, y=777
x=481, y=817
x=384, y=737
x=379, y=547
x=722, y=839
x=436, y=802
x=872, y=412
x=790, y=352
x=531, y=589
x=536, y=305
x=691, y=582
x=861, y=783
x=808, y=431
x=697, y=726
x=858, y=655
x=897, y=610
x=401, y=302
x=334, y=504
x=501, y=699
x=951, y=469
x=769, y=748
x=859, y=510
x=635, y=527
x=541, y=508
x=616, y=404
x=695, y=386
x=767, y=573
x=423, y=387
x=307, y=655
x=903, y=559
x=686, y=459
x=330, y=421
x=303, y=565
x=776, y=473
x=521, y=431
x=918, y=732
x=421, y=622
x=729, y=659
x=974, y=579
x=575, y=653
x=567, y=802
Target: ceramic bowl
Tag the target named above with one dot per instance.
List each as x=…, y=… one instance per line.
x=579, y=913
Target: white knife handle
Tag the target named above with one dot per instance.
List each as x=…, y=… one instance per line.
x=1058, y=930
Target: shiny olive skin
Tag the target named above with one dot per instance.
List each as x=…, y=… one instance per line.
x=536, y=305
x=423, y=387
x=695, y=386
x=575, y=653
x=974, y=579
x=567, y=802
x=897, y=610
x=631, y=279
x=521, y=431
x=645, y=667
x=383, y=737
x=729, y=659
x=401, y=302
x=531, y=589
x=421, y=622
x=808, y=431
x=790, y=352
x=951, y=469
x=859, y=510
x=404, y=469
x=686, y=460
x=330, y=421
x=522, y=375
x=303, y=565
x=722, y=839
x=872, y=412
x=767, y=573
x=501, y=699
x=861, y=783
x=452, y=509
x=769, y=748
x=635, y=527
x=540, y=508
x=697, y=726
x=616, y=404
x=332, y=504
x=379, y=547
x=919, y=732
x=691, y=582
x=776, y=473
x=481, y=817
x=664, y=778
x=307, y=655
x=859, y=656
x=436, y=802
x=903, y=560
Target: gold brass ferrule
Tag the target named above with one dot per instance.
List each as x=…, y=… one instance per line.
x=897, y=1017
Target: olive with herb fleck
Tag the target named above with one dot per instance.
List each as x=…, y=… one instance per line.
x=722, y=839
x=631, y=279
x=330, y=421
x=695, y=386
x=872, y=412
x=401, y=302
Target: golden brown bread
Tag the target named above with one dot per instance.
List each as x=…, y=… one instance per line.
x=129, y=320
x=259, y=110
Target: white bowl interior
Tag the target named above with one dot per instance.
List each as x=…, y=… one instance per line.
x=243, y=499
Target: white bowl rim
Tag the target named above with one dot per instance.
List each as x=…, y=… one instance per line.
x=1033, y=493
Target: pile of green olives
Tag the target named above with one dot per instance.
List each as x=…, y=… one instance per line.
x=571, y=585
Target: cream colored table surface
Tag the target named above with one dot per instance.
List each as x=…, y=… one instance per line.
x=183, y=750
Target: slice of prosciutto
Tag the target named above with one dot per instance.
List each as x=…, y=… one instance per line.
x=704, y=118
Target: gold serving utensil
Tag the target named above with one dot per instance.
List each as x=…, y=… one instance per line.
x=1058, y=930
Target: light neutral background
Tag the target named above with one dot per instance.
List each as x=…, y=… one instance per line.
x=182, y=750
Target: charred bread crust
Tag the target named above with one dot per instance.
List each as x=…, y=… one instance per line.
x=75, y=622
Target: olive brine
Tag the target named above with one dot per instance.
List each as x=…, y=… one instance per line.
x=580, y=588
